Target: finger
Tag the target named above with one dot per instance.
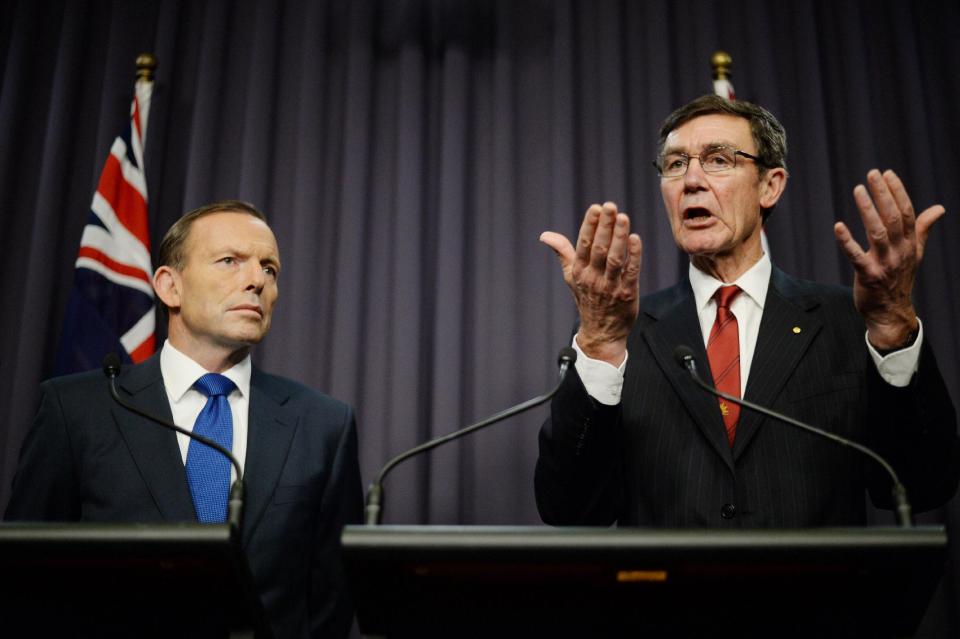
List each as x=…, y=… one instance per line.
x=902, y=198
x=587, y=230
x=561, y=246
x=617, y=256
x=924, y=221
x=886, y=205
x=631, y=272
x=850, y=246
x=603, y=237
x=877, y=235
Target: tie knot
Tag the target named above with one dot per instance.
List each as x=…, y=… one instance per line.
x=213, y=384
x=725, y=295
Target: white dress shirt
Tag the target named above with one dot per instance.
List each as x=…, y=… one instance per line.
x=180, y=373
x=604, y=382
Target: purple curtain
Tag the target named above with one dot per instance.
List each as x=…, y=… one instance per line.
x=409, y=153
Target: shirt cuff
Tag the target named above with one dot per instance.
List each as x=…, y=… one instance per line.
x=603, y=381
x=898, y=367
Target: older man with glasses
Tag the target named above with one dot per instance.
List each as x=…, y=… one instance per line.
x=632, y=440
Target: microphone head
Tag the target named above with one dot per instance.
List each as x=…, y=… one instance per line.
x=683, y=354
x=111, y=365
x=567, y=356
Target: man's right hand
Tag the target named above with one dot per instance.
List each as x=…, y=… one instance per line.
x=603, y=272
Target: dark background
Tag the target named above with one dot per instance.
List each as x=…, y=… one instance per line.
x=409, y=153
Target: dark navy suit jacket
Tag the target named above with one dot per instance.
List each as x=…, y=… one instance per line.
x=88, y=459
x=660, y=457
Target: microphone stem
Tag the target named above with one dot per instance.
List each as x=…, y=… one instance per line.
x=236, y=497
x=902, y=506
x=375, y=491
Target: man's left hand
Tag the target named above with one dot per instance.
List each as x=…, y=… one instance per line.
x=885, y=273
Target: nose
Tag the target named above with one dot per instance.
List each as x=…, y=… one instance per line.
x=256, y=279
x=695, y=178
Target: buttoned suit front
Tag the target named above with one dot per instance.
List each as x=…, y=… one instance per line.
x=660, y=457
x=89, y=459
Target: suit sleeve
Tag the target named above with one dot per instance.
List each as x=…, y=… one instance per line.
x=915, y=429
x=45, y=487
x=331, y=603
x=577, y=480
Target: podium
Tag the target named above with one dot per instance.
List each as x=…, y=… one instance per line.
x=125, y=580
x=418, y=581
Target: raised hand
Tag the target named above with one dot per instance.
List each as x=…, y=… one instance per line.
x=884, y=274
x=603, y=272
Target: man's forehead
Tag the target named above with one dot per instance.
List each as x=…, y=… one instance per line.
x=710, y=130
x=228, y=228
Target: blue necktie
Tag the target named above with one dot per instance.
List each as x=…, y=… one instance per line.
x=208, y=472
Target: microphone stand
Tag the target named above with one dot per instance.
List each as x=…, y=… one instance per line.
x=375, y=492
x=111, y=368
x=684, y=356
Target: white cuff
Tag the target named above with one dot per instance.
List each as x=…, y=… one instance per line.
x=898, y=367
x=603, y=381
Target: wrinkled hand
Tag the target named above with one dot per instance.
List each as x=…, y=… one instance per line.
x=604, y=275
x=885, y=273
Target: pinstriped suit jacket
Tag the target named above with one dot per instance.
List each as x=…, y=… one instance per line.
x=660, y=457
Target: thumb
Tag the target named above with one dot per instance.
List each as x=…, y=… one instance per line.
x=924, y=221
x=560, y=245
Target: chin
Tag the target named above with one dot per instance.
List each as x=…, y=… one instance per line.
x=699, y=249
x=246, y=338
x=703, y=244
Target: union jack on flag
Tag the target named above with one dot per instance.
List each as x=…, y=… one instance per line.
x=111, y=307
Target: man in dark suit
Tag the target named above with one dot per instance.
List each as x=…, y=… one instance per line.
x=88, y=459
x=632, y=440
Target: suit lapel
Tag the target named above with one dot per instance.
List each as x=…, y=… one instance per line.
x=676, y=323
x=786, y=331
x=271, y=427
x=154, y=448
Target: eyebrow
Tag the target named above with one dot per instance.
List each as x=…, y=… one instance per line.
x=229, y=249
x=709, y=145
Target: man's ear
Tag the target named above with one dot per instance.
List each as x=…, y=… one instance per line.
x=167, y=285
x=772, y=185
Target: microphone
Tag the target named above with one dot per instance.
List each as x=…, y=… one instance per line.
x=375, y=492
x=111, y=368
x=684, y=356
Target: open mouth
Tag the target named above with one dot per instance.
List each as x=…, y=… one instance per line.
x=696, y=213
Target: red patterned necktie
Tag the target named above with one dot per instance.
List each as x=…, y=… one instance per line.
x=723, y=351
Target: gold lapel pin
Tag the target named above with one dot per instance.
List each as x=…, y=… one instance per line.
x=796, y=330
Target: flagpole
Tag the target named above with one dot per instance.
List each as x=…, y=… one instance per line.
x=146, y=66
x=722, y=63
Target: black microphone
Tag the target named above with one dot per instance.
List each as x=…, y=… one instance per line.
x=684, y=356
x=375, y=492
x=111, y=368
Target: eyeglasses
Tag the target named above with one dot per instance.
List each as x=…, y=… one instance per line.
x=716, y=159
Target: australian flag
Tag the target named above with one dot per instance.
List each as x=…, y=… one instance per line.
x=111, y=307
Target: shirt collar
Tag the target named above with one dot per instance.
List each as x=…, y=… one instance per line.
x=754, y=283
x=180, y=372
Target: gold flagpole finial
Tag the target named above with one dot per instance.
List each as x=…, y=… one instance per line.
x=146, y=65
x=721, y=63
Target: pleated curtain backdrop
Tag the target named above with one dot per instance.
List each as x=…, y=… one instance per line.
x=408, y=155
